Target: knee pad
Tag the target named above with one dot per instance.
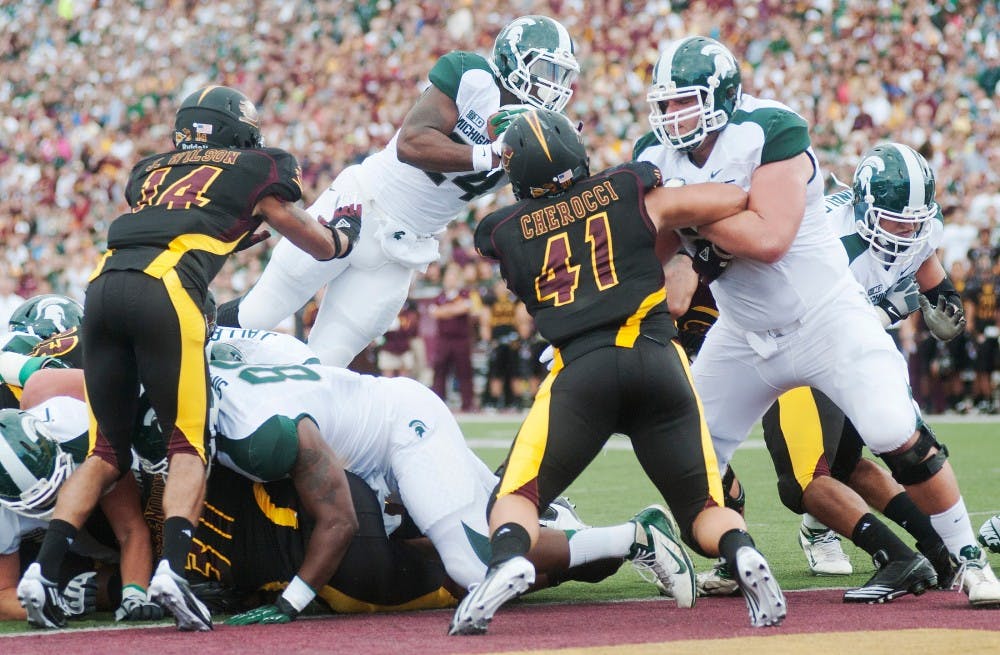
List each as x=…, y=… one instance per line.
x=912, y=466
x=737, y=504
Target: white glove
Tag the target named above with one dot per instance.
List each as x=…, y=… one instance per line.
x=901, y=300
x=80, y=595
x=136, y=607
x=547, y=356
x=945, y=320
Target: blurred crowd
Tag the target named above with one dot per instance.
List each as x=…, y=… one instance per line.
x=89, y=87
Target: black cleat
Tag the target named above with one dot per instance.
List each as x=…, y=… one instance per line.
x=939, y=557
x=894, y=578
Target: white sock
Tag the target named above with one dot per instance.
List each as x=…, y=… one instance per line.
x=592, y=544
x=954, y=528
x=810, y=522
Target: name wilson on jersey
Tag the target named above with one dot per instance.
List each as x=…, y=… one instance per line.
x=576, y=207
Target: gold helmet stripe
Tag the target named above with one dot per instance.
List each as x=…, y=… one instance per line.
x=536, y=127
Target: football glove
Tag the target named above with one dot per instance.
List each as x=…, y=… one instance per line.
x=547, y=356
x=80, y=595
x=280, y=612
x=709, y=260
x=901, y=300
x=346, y=219
x=136, y=607
x=989, y=534
x=945, y=320
x=500, y=121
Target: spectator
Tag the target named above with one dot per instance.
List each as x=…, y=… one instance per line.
x=452, y=309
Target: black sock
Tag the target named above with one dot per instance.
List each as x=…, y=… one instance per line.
x=509, y=541
x=732, y=541
x=177, y=533
x=871, y=535
x=228, y=313
x=58, y=538
x=905, y=513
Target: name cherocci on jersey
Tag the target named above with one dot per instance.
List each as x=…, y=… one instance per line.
x=562, y=213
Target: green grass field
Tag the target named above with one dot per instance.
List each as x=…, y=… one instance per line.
x=614, y=487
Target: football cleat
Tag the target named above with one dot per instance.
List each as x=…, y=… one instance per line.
x=765, y=601
x=173, y=593
x=939, y=557
x=823, y=552
x=41, y=599
x=989, y=534
x=717, y=581
x=505, y=582
x=561, y=515
x=976, y=578
x=894, y=578
x=659, y=556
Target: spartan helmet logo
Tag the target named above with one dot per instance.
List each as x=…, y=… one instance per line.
x=866, y=170
x=722, y=60
x=51, y=309
x=516, y=29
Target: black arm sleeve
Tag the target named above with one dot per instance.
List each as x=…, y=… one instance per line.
x=948, y=289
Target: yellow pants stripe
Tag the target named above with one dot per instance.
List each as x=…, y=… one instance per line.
x=802, y=432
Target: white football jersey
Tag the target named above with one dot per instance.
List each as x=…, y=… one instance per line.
x=348, y=407
x=755, y=295
x=868, y=269
x=427, y=201
x=263, y=346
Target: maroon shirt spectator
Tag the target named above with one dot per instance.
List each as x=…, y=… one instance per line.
x=452, y=309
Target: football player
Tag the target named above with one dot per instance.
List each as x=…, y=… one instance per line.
x=791, y=313
x=39, y=449
x=398, y=437
x=582, y=253
x=143, y=321
x=444, y=155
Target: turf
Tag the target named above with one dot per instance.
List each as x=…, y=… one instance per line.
x=614, y=488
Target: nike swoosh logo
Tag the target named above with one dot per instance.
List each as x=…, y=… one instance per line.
x=714, y=173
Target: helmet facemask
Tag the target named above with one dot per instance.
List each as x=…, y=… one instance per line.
x=887, y=245
x=542, y=78
x=667, y=126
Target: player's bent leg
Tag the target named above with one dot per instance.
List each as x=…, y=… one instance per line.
x=358, y=307
x=289, y=280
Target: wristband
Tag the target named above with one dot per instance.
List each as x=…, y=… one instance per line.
x=298, y=594
x=482, y=157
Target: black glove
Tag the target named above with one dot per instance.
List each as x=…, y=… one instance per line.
x=80, y=595
x=346, y=219
x=944, y=319
x=137, y=607
x=709, y=260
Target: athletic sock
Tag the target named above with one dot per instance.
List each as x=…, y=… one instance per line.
x=59, y=537
x=177, y=533
x=954, y=528
x=732, y=541
x=871, y=535
x=509, y=541
x=810, y=522
x=592, y=544
x=905, y=513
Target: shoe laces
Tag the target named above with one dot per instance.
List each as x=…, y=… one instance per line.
x=975, y=569
x=645, y=565
x=827, y=544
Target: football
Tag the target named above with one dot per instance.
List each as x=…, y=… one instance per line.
x=498, y=122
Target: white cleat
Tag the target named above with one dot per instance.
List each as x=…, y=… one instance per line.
x=658, y=550
x=765, y=601
x=976, y=578
x=823, y=552
x=507, y=581
x=172, y=592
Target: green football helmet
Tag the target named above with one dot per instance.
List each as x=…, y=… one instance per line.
x=543, y=154
x=32, y=465
x=45, y=315
x=694, y=67
x=217, y=116
x=894, y=183
x=533, y=59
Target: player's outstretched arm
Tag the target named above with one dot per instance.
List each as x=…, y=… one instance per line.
x=323, y=240
x=776, y=206
x=424, y=140
x=693, y=205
